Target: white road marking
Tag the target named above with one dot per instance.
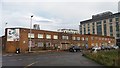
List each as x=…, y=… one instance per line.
x=19, y=59
x=31, y=64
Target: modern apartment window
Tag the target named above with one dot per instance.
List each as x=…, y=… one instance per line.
x=99, y=23
x=110, y=20
x=99, y=30
x=117, y=19
x=32, y=35
x=110, y=24
x=55, y=37
x=84, y=31
x=88, y=25
x=93, y=30
x=65, y=37
x=105, y=31
x=117, y=35
x=104, y=21
x=111, y=29
x=117, y=26
x=48, y=36
x=111, y=34
x=78, y=38
x=80, y=30
x=73, y=38
x=40, y=35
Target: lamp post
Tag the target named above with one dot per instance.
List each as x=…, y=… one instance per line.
x=30, y=34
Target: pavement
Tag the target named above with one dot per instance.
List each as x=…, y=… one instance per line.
x=41, y=51
x=47, y=58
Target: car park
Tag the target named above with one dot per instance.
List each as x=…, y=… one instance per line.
x=74, y=48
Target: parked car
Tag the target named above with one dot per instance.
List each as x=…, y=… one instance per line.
x=96, y=48
x=74, y=48
x=102, y=47
x=109, y=47
x=115, y=47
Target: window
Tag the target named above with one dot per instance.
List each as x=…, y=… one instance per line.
x=117, y=35
x=117, y=26
x=55, y=37
x=104, y=21
x=105, y=32
x=73, y=38
x=32, y=35
x=84, y=31
x=92, y=38
x=86, y=39
x=111, y=29
x=110, y=20
x=48, y=44
x=93, y=30
x=40, y=44
x=40, y=35
x=78, y=38
x=65, y=37
x=117, y=19
x=99, y=23
x=93, y=23
x=82, y=38
x=99, y=30
x=48, y=36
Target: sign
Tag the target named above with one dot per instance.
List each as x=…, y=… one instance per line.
x=13, y=34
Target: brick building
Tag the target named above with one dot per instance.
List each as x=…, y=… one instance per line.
x=42, y=39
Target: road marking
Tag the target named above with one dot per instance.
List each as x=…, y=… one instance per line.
x=31, y=64
x=19, y=59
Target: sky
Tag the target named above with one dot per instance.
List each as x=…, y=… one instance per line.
x=51, y=14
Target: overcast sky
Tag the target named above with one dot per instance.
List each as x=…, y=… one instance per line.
x=52, y=14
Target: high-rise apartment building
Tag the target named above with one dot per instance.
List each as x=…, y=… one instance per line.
x=106, y=24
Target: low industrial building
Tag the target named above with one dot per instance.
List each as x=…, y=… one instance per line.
x=42, y=39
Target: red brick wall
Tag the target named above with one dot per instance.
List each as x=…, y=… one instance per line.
x=23, y=43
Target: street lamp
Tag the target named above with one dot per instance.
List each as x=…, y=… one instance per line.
x=30, y=33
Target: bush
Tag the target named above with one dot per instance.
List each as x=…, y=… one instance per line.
x=107, y=58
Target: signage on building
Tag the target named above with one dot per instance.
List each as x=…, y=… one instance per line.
x=13, y=34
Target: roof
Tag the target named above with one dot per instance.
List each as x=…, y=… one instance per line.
x=101, y=18
x=63, y=32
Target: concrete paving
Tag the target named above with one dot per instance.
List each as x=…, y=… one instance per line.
x=47, y=59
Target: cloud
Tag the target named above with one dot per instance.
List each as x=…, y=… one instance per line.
x=60, y=0
x=52, y=15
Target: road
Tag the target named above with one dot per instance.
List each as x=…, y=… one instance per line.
x=47, y=59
